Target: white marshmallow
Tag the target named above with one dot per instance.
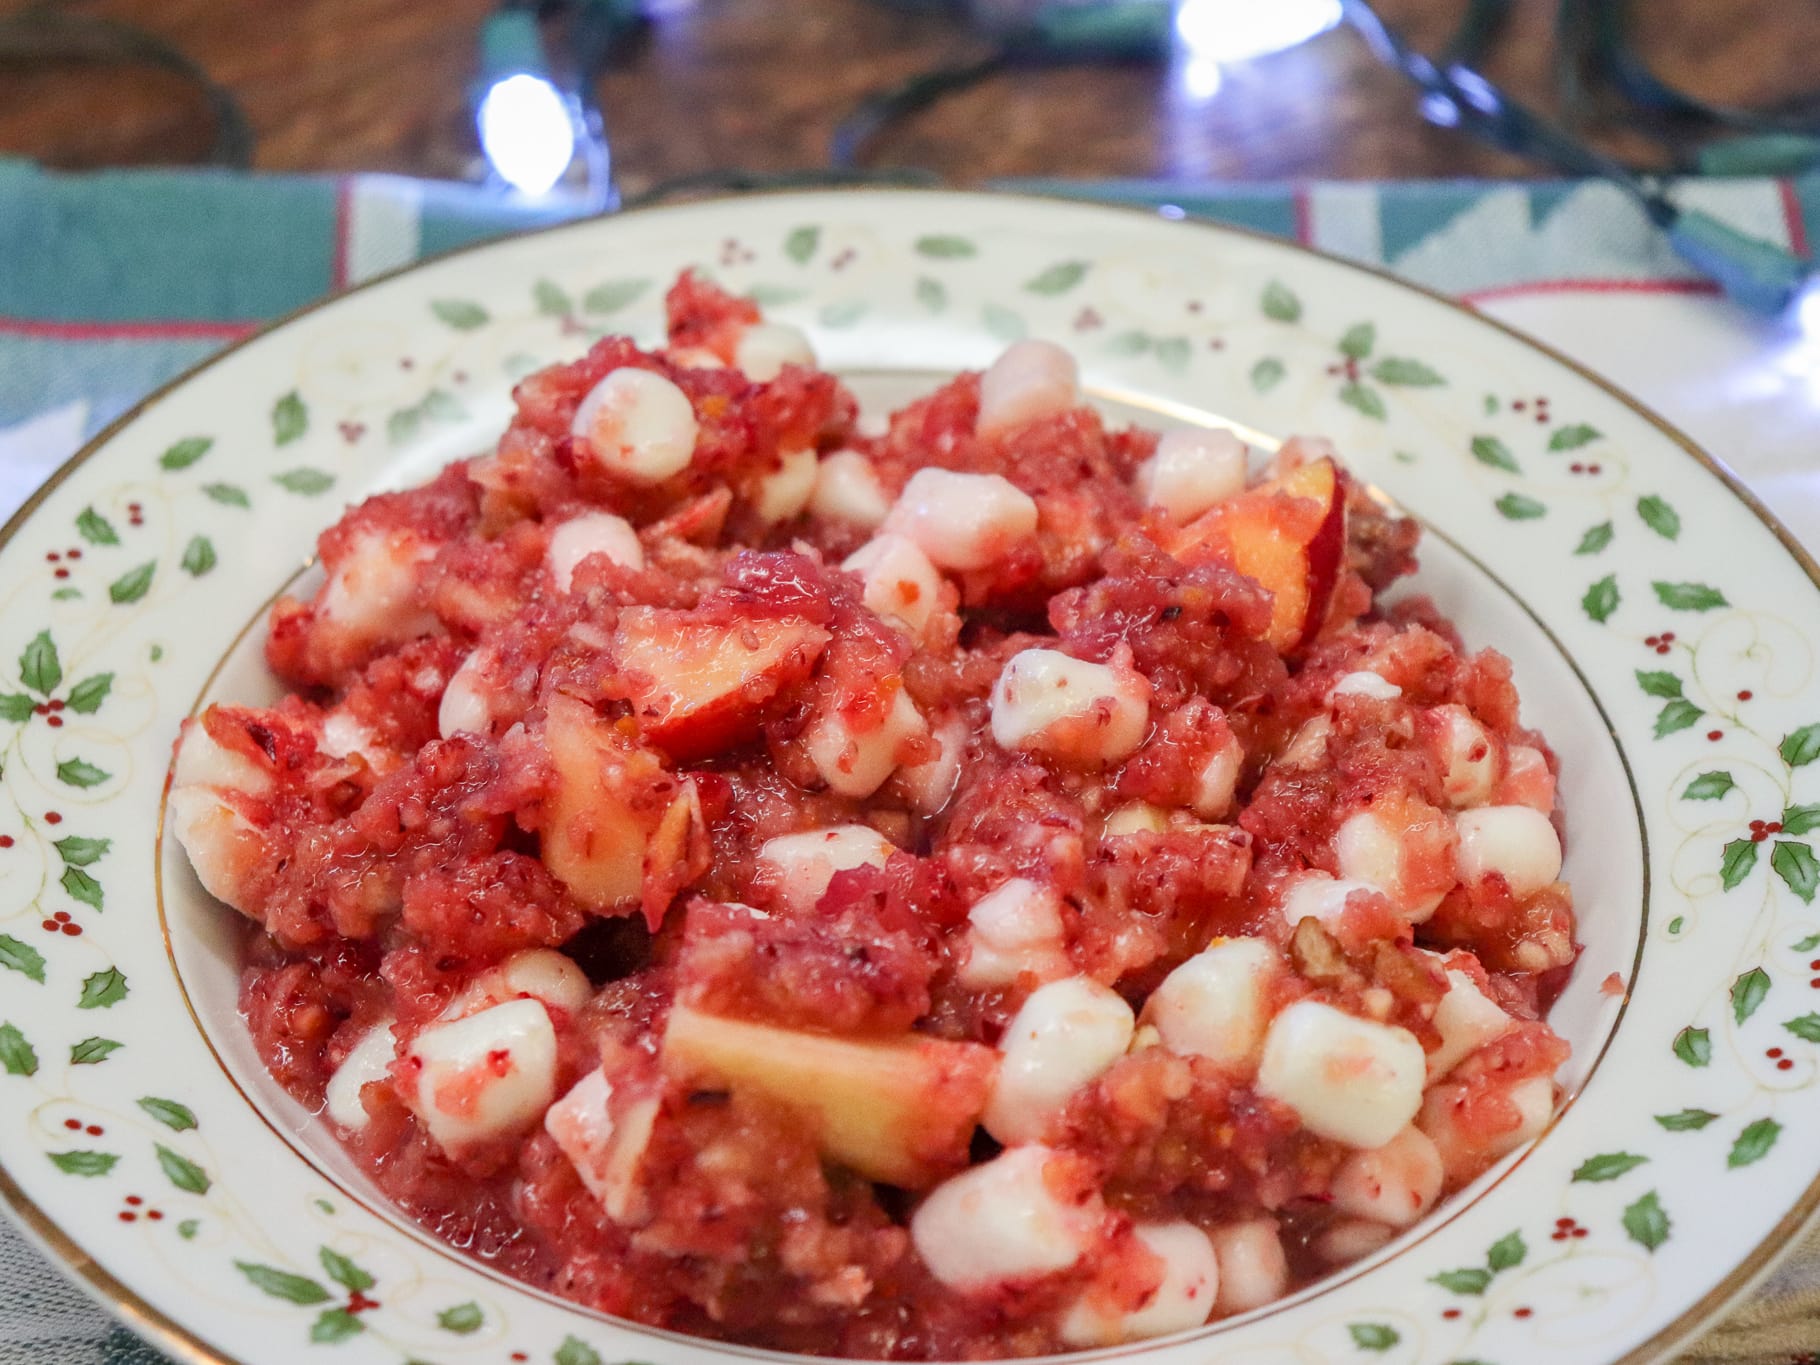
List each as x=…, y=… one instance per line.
x=1193, y=469
x=1469, y=760
x=1253, y=1269
x=929, y=785
x=467, y=700
x=784, y=492
x=530, y=973
x=1466, y=1020
x=605, y=1154
x=367, y=1061
x=848, y=490
x=764, y=348
x=1517, y=842
x=1348, y=1079
x=638, y=424
x=1534, y=1100
x=1217, y=1003
x=802, y=865
x=1066, y=1035
x=999, y=1223
x=1365, y=683
x=1135, y=817
x=343, y=736
x=1184, y=1299
x=901, y=584
x=1103, y=713
x=1316, y=894
x=201, y=762
x=489, y=1075
x=1351, y=1239
x=1014, y=930
x=963, y=521
x=1031, y=379
x=1308, y=749
x=1369, y=850
x=371, y=592
x=1394, y=1184
x=857, y=764
x=1527, y=780
x=224, y=847
x=1217, y=784
x=594, y=533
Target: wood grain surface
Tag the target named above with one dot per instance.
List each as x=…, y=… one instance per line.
x=339, y=85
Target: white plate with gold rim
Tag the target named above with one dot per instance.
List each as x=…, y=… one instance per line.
x=1663, y=629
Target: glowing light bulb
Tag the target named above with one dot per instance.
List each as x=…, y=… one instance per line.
x=1806, y=311
x=1201, y=77
x=527, y=132
x=1234, y=30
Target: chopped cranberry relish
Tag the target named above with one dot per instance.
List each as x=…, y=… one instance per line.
x=997, y=886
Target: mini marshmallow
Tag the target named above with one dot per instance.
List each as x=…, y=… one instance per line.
x=490, y=1075
x=1516, y=842
x=371, y=593
x=999, y=1223
x=901, y=584
x=1217, y=1003
x=593, y=533
x=1048, y=701
x=1014, y=930
x=1184, y=1299
x=530, y=973
x=1369, y=849
x=963, y=521
x=1317, y=895
x=848, y=490
x=1135, y=817
x=367, y=1061
x=1365, y=683
x=605, y=1153
x=1193, y=469
x=466, y=706
x=1469, y=760
x=1466, y=1021
x=1217, y=783
x=1394, y=1184
x=1030, y=380
x=785, y=491
x=1348, y=1079
x=855, y=763
x=764, y=348
x=802, y=865
x=1064, y=1037
x=1253, y=1268
x=638, y=425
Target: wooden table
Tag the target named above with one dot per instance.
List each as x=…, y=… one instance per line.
x=342, y=85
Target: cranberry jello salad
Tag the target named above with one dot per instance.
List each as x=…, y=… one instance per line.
x=981, y=884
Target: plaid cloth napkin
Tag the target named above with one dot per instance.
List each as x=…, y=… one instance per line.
x=113, y=283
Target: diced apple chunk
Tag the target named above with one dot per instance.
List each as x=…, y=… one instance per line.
x=897, y=1110
x=594, y=833
x=699, y=687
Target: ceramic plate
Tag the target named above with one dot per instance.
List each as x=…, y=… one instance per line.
x=1664, y=638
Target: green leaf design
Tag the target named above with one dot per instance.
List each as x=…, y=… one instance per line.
x=305, y=481
x=16, y=1054
x=188, y=1229
x=800, y=245
x=282, y=1284
x=1595, y=539
x=1709, y=786
x=1694, y=1046
x=67, y=595
x=1807, y=1026
x=1794, y=863
x=1677, y=715
x=1808, y=944
x=402, y=425
x=79, y=772
x=22, y=958
x=333, y=1325
x=95, y=528
x=1173, y=353
x=1367, y=1336
x=1489, y=450
x=1474, y=1280
x=181, y=1171
x=1058, y=278
x=86, y=696
x=1659, y=516
x=16, y=707
x=343, y=1271
x=1129, y=343
x=102, y=990
x=611, y=295
x=1689, y=596
x=439, y=405
x=1753, y=1143
x=290, y=418
x=91, y=1051
x=1646, y=1223
x=1399, y=372
x=186, y=452
x=1658, y=684
x=198, y=556
x=1365, y=399
x=1279, y=302
x=551, y=299
x=177, y=1117
x=1359, y=340
x=1798, y=749
x=1687, y=1121
x=1267, y=374
x=461, y=314
x=89, y=1164
x=1607, y=1166
x=939, y=247
x=842, y=314
x=775, y=295
x=1800, y=819
x=575, y=1351
x=133, y=584
x=82, y=887
x=1739, y=859
x=1002, y=322
x=1517, y=507
x=1748, y=992
x=39, y=668
x=227, y=494
x=462, y=1319
x=1601, y=599
x=1507, y=1252
x=1573, y=437
x=932, y=294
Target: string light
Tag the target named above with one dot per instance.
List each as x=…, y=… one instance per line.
x=527, y=132
x=1237, y=30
